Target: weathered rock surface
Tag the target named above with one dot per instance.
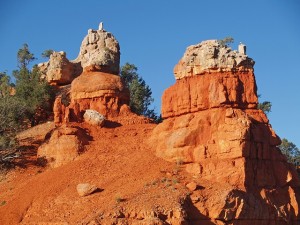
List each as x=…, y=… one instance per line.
x=99, y=91
x=197, y=93
x=208, y=57
x=94, y=84
x=156, y=216
x=85, y=189
x=94, y=118
x=40, y=131
x=100, y=48
x=212, y=125
x=97, y=86
x=64, y=146
x=59, y=70
x=62, y=101
x=192, y=186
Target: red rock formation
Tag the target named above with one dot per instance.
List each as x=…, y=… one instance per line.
x=98, y=87
x=65, y=144
x=212, y=125
x=99, y=91
x=95, y=90
x=210, y=90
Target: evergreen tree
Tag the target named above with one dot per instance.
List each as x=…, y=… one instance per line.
x=291, y=151
x=140, y=92
x=265, y=106
x=47, y=53
x=34, y=92
x=5, y=85
x=11, y=114
x=30, y=89
x=20, y=103
x=226, y=41
x=24, y=57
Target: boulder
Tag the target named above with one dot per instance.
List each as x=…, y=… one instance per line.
x=192, y=186
x=58, y=70
x=101, y=49
x=85, y=189
x=64, y=145
x=93, y=84
x=94, y=118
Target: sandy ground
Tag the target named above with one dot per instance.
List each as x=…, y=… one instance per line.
x=117, y=160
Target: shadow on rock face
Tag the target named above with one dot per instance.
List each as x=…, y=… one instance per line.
x=112, y=124
x=64, y=144
x=194, y=216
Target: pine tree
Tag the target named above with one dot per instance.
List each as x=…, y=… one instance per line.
x=37, y=94
x=291, y=151
x=140, y=92
x=47, y=53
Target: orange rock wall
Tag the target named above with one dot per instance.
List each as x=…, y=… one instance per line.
x=211, y=124
x=240, y=141
x=210, y=90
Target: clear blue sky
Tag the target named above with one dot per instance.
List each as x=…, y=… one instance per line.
x=154, y=35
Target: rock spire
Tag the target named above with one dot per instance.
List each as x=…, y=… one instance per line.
x=212, y=125
x=99, y=49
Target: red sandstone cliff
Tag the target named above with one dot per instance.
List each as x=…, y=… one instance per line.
x=212, y=124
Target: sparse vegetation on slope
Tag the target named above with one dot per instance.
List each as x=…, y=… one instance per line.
x=22, y=104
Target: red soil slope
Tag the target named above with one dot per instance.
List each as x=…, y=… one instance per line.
x=119, y=162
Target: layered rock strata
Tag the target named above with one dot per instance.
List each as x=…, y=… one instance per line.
x=212, y=124
x=99, y=91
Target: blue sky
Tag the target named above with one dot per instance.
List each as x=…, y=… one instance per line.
x=154, y=34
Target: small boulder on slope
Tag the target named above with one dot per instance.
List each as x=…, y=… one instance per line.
x=85, y=189
x=94, y=118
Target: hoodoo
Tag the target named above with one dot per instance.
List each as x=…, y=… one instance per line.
x=88, y=83
x=212, y=125
x=98, y=87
